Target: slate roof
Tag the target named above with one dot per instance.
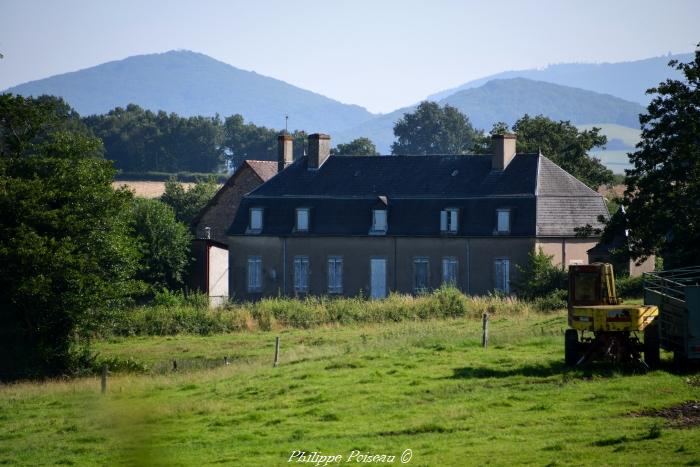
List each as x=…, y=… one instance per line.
x=544, y=200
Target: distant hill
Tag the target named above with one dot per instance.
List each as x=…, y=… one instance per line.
x=190, y=83
x=507, y=100
x=627, y=80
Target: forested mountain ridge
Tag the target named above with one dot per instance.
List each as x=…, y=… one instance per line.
x=190, y=84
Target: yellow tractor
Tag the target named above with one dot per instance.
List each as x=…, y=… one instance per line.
x=602, y=327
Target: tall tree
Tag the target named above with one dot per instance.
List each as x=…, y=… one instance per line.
x=65, y=248
x=356, y=147
x=432, y=129
x=164, y=243
x=663, y=187
x=564, y=144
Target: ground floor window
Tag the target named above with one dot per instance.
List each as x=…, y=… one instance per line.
x=301, y=274
x=449, y=271
x=335, y=274
x=420, y=274
x=502, y=269
x=254, y=274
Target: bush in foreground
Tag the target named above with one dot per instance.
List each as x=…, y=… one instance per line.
x=176, y=313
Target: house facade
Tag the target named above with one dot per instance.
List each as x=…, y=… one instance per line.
x=351, y=225
x=214, y=220
x=209, y=272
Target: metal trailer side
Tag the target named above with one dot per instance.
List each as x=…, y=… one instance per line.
x=677, y=294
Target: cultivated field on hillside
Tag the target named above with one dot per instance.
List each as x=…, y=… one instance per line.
x=377, y=389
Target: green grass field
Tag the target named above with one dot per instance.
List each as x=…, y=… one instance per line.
x=427, y=386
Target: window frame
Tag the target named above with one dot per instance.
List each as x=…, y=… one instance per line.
x=450, y=260
x=253, y=288
x=298, y=289
x=374, y=228
x=508, y=212
x=308, y=219
x=334, y=289
x=252, y=229
x=506, y=277
x=416, y=260
x=449, y=227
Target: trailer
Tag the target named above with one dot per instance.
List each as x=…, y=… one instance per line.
x=676, y=293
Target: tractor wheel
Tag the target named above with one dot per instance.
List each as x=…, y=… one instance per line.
x=652, y=355
x=571, y=347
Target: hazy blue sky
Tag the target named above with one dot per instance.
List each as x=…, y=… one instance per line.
x=378, y=54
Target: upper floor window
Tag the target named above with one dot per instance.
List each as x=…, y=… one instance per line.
x=302, y=220
x=256, y=219
x=503, y=221
x=379, y=220
x=449, y=220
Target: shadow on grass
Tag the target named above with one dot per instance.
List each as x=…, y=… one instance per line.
x=544, y=370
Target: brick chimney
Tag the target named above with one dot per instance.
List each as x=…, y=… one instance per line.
x=285, y=151
x=503, y=150
x=319, y=150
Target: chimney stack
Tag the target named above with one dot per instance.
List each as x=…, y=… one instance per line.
x=503, y=150
x=285, y=151
x=319, y=150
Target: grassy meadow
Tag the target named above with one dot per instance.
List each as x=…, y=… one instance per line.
x=378, y=388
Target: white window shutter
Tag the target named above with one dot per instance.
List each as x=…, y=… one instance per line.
x=443, y=221
x=453, y=220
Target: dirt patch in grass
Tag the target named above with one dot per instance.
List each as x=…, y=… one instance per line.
x=684, y=415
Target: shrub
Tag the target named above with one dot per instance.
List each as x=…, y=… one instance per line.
x=539, y=277
x=555, y=300
x=630, y=287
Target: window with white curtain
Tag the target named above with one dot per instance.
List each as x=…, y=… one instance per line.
x=254, y=274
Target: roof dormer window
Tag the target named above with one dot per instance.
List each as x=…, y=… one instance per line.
x=503, y=221
x=449, y=220
x=379, y=224
x=256, y=220
x=302, y=224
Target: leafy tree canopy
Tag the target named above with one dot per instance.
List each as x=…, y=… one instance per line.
x=186, y=203
x=65, y=249
x=564, y=144
x=663, y=187
x=432, y=129
x=163, y=241
x=139, y=140
x=356, y=147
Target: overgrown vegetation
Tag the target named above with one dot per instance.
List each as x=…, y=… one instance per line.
x=177, y=313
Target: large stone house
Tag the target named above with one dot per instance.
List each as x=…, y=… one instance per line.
x=349, y=225
x=209, y=270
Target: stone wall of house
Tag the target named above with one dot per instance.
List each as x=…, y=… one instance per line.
x=567, y=251
x=475, y=262
x=220, y=215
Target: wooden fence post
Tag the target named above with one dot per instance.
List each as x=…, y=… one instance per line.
x=277, y=351
x=103, y=382
x=485, y=331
